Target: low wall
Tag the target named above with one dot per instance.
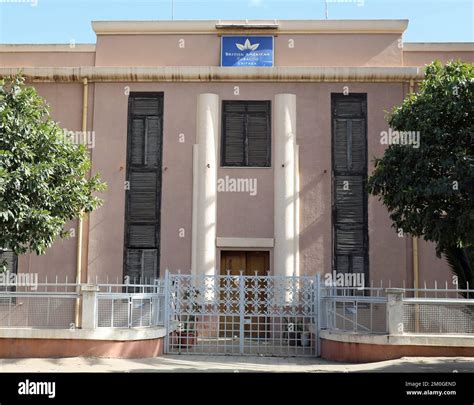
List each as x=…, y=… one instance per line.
x=362, y=348
x=114, y=343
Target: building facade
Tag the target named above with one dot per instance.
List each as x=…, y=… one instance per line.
x=251, y=168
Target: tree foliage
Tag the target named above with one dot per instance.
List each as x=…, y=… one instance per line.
x=429, y=191
x=43, y=174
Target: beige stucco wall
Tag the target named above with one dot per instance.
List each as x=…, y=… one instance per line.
x=238, y=214
x=204, y=50
x=50, y=59
x=420, y=58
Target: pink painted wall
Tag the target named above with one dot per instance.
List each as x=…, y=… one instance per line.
x=418, y=58
x=432, y=268
x=338, y=50
x=204, y=50
x=238, y=214
x=47, y=59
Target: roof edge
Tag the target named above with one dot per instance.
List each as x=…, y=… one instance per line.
x=217, y=26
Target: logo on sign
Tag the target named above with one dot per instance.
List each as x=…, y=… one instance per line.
x=247, y=46
x=242, y=51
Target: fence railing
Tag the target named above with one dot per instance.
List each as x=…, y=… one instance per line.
x=354, y=310
x=37, y=310
x=398, y=311
x=373, y=310
x=438, y=315
x=62, y=305
x=130, y=305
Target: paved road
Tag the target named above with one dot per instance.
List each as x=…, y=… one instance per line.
x=187, y=363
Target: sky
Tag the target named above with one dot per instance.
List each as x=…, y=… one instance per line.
x=67, y=21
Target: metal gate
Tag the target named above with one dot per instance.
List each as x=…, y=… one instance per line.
x=242, y=315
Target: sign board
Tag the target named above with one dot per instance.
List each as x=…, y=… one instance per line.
x=247, y=51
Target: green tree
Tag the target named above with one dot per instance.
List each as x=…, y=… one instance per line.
x=43, y=173
x=429, y=190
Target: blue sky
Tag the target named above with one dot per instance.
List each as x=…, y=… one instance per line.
x=63, y=21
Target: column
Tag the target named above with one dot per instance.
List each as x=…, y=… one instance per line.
x=285, y=186
x=205, y=186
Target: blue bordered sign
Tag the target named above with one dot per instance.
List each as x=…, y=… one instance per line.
x=247, y=51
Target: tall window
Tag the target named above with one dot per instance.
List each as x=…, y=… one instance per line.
x=143, y=202
x=349, y=169
x=246, y=133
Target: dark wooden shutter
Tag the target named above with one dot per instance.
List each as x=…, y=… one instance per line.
x=349, y=156
x=141, y=264
x=143, y=196
x=234, y=144
x=246, y=133
x=258, y=139
x=142, y=227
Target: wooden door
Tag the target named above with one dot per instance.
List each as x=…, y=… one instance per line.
x=256, y=327
x=250, y=263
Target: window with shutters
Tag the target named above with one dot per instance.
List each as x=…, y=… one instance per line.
x=11, y=261
x=349, y=168
x=143, y=201
x=246, y=133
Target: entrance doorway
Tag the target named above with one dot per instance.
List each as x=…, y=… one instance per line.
x=242, y=310
x=245, y=263
x=249, y=263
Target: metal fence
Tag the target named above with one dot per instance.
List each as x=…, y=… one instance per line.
x=438, y=315
x=425, y=311
x=242, y=315
x=130, y=305
x=237, y=314
x=354, y=310
x=54, y=305
x=48, y=306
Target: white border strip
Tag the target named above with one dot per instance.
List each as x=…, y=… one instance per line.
x=245, y=242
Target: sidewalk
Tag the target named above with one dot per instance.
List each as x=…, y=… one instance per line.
x=196, y=363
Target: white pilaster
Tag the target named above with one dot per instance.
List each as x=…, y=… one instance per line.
x=205, y=186
x=286, y=182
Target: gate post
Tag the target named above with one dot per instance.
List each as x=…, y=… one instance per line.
x=317, y=313
x=89, y=305
x=167, y=290
x=394, y=311
x=241, y=311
